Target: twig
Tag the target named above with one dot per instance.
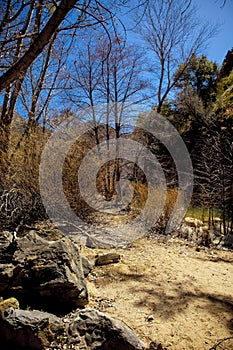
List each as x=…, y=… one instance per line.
x=220, y=342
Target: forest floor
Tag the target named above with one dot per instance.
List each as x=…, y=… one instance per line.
x=169, y=291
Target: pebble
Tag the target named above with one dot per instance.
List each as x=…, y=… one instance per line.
x=150, y=318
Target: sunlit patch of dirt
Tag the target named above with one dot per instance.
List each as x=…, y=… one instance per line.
x=168, y=292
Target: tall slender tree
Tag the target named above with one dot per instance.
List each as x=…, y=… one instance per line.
x=172, y=35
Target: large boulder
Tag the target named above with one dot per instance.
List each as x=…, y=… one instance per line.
x=43, y=274
x=22, y=329
x=86, y=329
x=99, y=331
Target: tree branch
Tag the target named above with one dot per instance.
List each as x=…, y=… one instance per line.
x=21, y=66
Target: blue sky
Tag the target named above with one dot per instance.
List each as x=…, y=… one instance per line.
x=211, y=10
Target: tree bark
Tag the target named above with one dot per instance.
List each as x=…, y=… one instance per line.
x=42, y=39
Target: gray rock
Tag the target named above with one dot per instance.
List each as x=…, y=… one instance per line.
x=99, y=331
x=107, y=258
x=228, y=240
x=44, y=274
x=28, y=329
x=87, y=265
x=92, y=242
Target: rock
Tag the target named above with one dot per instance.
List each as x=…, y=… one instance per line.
x=216, y=219
x=192, y=222
x=44, y=274
x=8, y=303
x=48, y=234
x=228, y=240
x=7, y=249
x=156, y=346
x=150, y=318
x=186, y=232
x=6, y=274
x=6, y=238
x=92, y=242
x=99, y=331
x=29, y=329
x=87, y=265
x=86, y=329
x=108, y=258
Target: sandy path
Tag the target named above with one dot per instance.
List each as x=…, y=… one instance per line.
x=168, y=292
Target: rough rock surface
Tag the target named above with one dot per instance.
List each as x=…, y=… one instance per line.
x=6, y=237
x=86, y=329
x=92, y=242
x=28, y=329
x=228, y=240
x=8, y=303
x=87, y=265
x=193, y=222
x=107, y=258
x=42, y=273
x=99, y=331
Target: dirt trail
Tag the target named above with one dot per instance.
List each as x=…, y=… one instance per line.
x=168, y=291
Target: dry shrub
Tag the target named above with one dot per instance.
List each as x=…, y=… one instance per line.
x=20, y=200
x=140, y=197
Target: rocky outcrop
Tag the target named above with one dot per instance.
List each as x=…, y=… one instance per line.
x=22, y=329
x=99, y=331
x=86, y=329
x=42, y=273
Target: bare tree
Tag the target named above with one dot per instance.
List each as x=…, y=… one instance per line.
x=172, y=34
x=214, y=174
x=27, y=28
x=40, y=38
x=111, y=78
x=55, y=17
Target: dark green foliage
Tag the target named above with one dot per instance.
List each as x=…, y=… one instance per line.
x=202, y=111
x=202, y=75
x=227, y=65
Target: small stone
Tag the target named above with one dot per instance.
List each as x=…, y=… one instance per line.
x=108, y=258
x=8, y=303
x=150, y=318
x=155, y=346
